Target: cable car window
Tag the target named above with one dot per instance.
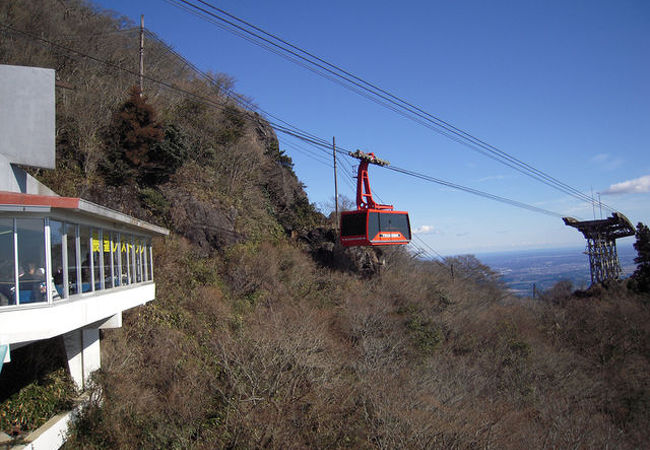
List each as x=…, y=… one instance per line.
x=395, y=222
x=353, y=224
x=373, y=224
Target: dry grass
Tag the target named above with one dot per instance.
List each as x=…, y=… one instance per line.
x=274, y=352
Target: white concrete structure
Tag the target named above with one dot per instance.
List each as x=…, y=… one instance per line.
x=68, y=267
x=27, y=115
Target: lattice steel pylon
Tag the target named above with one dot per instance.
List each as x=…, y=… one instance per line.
x=601, y=238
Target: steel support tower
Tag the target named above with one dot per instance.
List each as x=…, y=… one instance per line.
x=601, y=238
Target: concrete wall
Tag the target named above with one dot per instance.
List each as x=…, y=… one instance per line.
x=82, y=348
x=15, y=179
x=27, y=116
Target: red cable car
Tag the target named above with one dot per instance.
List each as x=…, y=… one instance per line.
x=372, y=224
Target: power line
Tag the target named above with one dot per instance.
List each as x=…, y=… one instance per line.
x=373, y=92
x=314, y=156
x=477, y=192
x=289, y=130
x=423, y=242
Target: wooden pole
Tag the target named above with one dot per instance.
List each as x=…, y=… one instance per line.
x=336, y=187
x=141, y=71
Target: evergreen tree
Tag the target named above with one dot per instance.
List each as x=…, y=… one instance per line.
x=130, y=139
x=641, y=275
x=167, y=156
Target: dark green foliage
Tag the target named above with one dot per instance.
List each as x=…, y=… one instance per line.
x=425, y=334
x=130, y=140
x=251, y=344
x=273, y=151
x=301, y=216
x=233, y=128
x=155, y=202
x=35, y=403
x=166, y=156
x=641, y=276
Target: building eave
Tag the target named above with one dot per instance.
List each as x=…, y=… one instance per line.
x=12, y=201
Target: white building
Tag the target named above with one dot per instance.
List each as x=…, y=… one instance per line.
x=68, y=267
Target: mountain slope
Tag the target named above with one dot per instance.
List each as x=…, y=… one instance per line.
x=263, y=336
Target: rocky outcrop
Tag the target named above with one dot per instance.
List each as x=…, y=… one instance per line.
x=327, y=251
x=205, y=223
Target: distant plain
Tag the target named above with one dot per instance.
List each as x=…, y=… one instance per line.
x=522, y=269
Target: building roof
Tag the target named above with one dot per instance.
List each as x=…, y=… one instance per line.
x=18, y=202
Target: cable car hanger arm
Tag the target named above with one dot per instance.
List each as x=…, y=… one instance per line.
x=364, y=193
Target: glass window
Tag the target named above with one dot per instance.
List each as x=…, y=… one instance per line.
x=74, y=274
x=132, y=259
x=117, y=259
x=395, y=222
x=98, y=261
x=86, y=266
x=145, y=259
x=125, y=258
x=373, y=225
x=149, y=260
x=7, y=263
x=31, y=261
x=150, y=253
x=107, y=247
x=353, y=224
x=138, y=259
x=58, y=263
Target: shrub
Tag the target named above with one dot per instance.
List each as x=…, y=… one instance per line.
x=35, y=403
x=641, y=276
x=130, y=139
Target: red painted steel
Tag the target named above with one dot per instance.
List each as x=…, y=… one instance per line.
x=18, y=199
x=358, y=234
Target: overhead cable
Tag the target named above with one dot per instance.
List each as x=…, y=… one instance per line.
x=289, y=130
x=371, y=91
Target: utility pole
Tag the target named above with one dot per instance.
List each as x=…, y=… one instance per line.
x=593, y=202
x=336, y=187
x=600, y=205
x=141, y=72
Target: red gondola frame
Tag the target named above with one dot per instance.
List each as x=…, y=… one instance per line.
x=372, y=224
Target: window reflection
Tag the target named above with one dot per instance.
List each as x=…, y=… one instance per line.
x=97, y=254
x=31, y=261
x=117, y=260
x=138, y=260
x=84, y=241
x=81, y=259
x=132, y=259
x=7, y=263
x=56, y=239
x=145, y=260
x=150, y=255
x=74, y=274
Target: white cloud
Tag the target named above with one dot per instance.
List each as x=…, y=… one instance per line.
x=425, y=229
x=600, y=158
x=491, y=178
x=635, y=186
x=608, y=161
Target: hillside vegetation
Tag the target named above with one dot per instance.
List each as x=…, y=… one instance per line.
x=264, y=332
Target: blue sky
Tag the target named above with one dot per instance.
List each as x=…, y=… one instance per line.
x=563, y=86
